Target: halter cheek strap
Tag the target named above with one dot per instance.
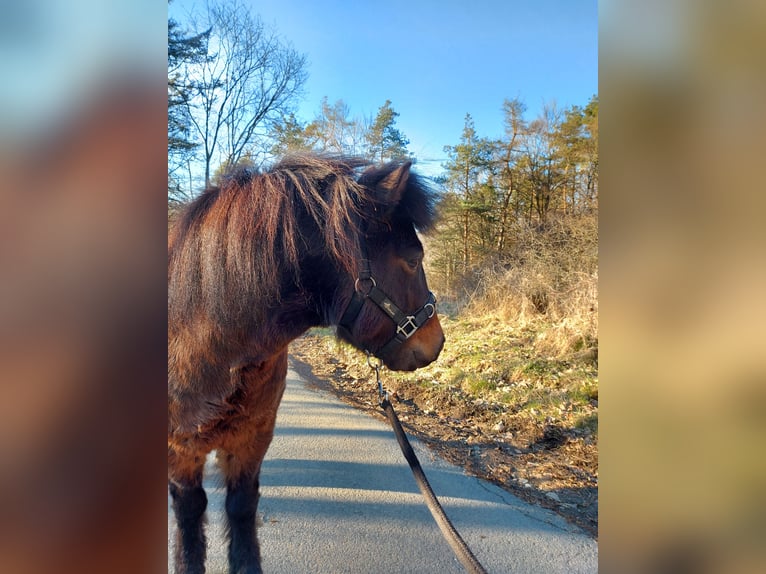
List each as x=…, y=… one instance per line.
x=365, y=287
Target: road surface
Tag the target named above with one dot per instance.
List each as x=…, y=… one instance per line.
x=338, y=497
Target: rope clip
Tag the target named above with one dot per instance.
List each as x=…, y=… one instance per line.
x=376, y=364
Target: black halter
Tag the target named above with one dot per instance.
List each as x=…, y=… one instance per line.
x=365, y=287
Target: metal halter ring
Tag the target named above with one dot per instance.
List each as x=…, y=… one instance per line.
x=373, y=284
x=433, y=309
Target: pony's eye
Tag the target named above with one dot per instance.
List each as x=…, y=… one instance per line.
x=413, y=263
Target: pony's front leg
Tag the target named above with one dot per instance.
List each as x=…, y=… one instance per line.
x=241, y=511
x=242, y=495
x=189, y=503
x=242, y=456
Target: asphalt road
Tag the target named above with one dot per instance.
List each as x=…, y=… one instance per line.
x=338, y=497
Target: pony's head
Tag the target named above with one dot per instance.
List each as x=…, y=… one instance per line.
x=387, y=308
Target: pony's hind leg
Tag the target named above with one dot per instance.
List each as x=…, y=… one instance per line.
x=189, y=503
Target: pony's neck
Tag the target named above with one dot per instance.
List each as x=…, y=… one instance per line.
x=310, y=302
x=290, y=318
x=322, y=288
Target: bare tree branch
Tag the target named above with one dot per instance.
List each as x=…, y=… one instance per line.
x=251, y=80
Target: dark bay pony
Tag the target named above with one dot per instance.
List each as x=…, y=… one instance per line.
x=252, y=265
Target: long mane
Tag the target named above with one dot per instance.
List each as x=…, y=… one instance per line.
x=230, y=249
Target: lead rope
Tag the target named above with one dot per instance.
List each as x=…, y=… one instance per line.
x=459, y=547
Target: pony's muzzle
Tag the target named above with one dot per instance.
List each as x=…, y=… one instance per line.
x=420, y=350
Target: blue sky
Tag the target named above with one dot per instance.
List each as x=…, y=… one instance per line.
x=437, y=60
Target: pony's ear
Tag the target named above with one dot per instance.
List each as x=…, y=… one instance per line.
x=390, y=188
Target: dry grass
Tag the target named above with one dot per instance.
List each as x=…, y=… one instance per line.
x=547, y=283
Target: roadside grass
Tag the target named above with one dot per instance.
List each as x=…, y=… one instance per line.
x=494, y=373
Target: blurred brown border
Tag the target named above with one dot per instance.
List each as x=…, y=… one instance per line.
x=683, y=268
x=83, y=219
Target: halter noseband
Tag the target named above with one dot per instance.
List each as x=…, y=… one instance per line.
x=406, y=325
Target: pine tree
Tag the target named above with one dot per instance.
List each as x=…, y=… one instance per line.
x=468, y=180
x=384, y=141
x=290, y=135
